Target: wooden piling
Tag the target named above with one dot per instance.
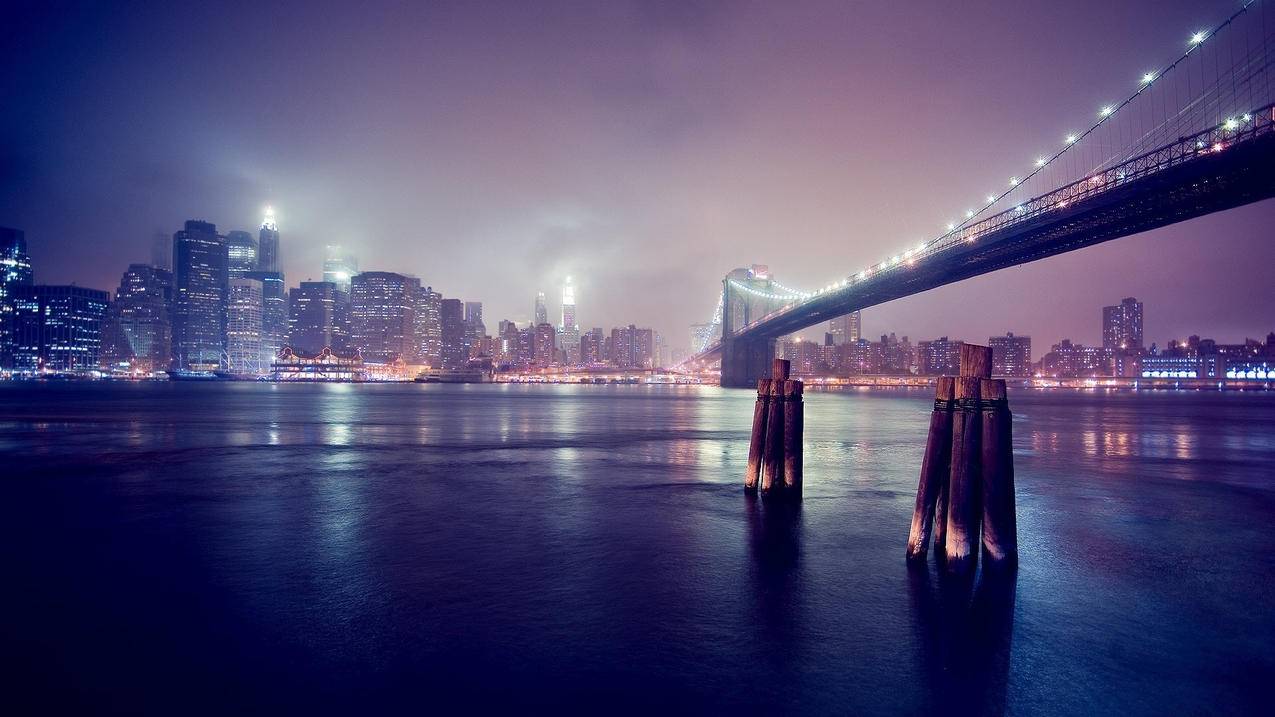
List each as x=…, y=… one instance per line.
x=935, y=468
x=757, y=441
x=964, y=483
x=1000, y=523
x=976, y=361
x=772, y=462
x=793, y=425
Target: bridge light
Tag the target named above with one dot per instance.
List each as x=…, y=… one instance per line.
x=991, y=198
x=969, y=213
x=1020, y=208
x=1013, y=181
x=1198, y=37
x=1231, y=123
x=1246, y=118
x=1106, y=111
x=1071, y=139
x=951, y=226
x=1217, y=147
x=1040, y=161
x=1147, y=77
x=920, y=247
x=863, y=275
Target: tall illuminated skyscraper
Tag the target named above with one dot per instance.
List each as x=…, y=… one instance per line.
x=339, y=267
x=1122, y=326
x=274, y=313
x=15, y=270
x=316, y=320
x=140, y=319
x=383, y=316
x=569, y=330
x=243, y=327
x=542, y=313
x=268, y=246
x=429, y=327
x=200, y=278
x=846, y=329
x=241, y=249
x=452, y=324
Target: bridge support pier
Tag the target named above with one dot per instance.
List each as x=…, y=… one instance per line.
x=746, y=360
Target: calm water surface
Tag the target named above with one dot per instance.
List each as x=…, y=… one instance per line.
x=177, y=548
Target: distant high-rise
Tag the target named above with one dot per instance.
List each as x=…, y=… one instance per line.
x=542, y=312
x=545, y=339
x=339, y=267
x=1122, y=326
x=274, y=313
x=57, y=328
x=162, y=251
x=940, y=357
x=200, y=281
x=454, y=349
x=241, y=253
x=268, y=246
x=474, y=326
x=140, y=319
x=244, y=327
x=429, y=327
x=383, y=316
x=570, y=330
x=1011, y=355
x=15, y=270
x=591, y=347
x=316, y=320
x=632, y=347
x=846, y=329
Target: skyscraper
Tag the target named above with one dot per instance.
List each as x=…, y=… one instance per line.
x=542, y=313
x=632, y=347
x=474, y=326
x=140, y=319
x=452, y=323
x=241, y=252
x=162, y=251
x=545, y=338
x=274, y=313
x=591, y=347
x=383, y=316
x=268, y=246
x=339, y=267
x=199, y=296
x=1122, y=326
x=15, y=270
x=1011, y=355
x=243, y=327
x=57, y=328
x=429, y=327
x=316, y=321
x=846, y=329
x=570, y=330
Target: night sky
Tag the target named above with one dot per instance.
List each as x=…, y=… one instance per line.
x=643, y=148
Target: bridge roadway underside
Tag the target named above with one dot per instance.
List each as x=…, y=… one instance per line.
x=1220, y=181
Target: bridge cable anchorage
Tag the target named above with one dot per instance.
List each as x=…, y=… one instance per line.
x=1176, y=113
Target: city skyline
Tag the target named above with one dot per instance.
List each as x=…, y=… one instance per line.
x=564, y=208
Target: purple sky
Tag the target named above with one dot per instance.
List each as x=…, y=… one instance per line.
x=643, y=148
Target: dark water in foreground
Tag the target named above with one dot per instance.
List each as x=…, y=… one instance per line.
x=173, y=548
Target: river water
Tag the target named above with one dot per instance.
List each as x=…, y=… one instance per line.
x=175, y=548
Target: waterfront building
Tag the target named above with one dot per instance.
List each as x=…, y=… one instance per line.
x=454, y=350
x=339, y=267
x=940, y=357
x=57, y=328
x=507, y=353
x=1011, y=355
x=200, y=281
x=137, y=335
x=1122, y=326
x=806, y=357
x=268, y=243
x=275, y=327
x=244, y=327
x=545, y=344
x=846, y=329
x=317, y=320
x=1068, y=360
x=569, y=330
x=383, y=316
x=429, y=326
x=632, y=348
x=15, y=270
x=591, y=343
x=1170, y=367
x=526, y=347
x=241, y=254
x=325, y=365
x=542, y=312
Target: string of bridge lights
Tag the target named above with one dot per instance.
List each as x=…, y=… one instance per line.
x=909, y=256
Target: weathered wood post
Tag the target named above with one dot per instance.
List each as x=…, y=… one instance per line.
x=935, y=468
x=1000, y=522
x=793, y=425
x=772, y=472
x=965, y=483
x=757, y=441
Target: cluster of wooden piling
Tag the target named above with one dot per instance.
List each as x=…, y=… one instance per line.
x=774, y=452
x=967, y=474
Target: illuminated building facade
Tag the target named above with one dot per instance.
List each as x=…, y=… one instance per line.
x=1122, y=326
x=57, y=328
x=274, y=313
x=268, y=243
x=542, y=311
x=138, y=331
x=429, y=326
x=569, y=331
x=846, y=329
x=15, y=271
x=1011, y=355
x=1068, y=360
x=317, y=318
x=940, y=357
x=243, y=327
x=339, y=267
x=545, y=338
x=383, y=316
x=454, y=350
x=241, y=254
x=632, y=347
x=200, y=278
x=591, y=343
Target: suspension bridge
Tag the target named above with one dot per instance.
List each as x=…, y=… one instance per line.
x=1196, y=136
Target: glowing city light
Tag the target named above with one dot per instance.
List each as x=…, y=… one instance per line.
x=1198, y=37
x=1231, y=123
x=1106, y=111
x=1147, y=77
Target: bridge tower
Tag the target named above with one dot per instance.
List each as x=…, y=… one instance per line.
x=745, y=360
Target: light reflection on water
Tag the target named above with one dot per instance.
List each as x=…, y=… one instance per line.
x=537, y=546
